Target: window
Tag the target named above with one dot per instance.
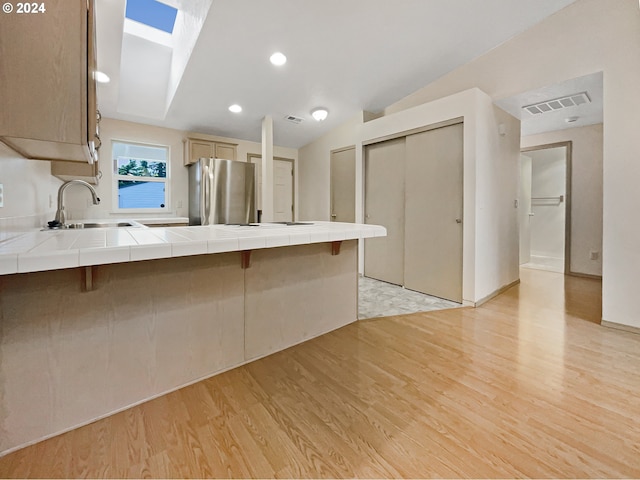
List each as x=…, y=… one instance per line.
x=152, y=13
x=141, y=174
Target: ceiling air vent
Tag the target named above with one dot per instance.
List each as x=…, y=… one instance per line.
x=293, y=119
x=558, y=103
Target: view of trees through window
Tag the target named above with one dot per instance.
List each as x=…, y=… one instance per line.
x=140, y=168
x=141, y=174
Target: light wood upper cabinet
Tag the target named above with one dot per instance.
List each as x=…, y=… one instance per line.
x=226, y=151
x=47, y=89
x=196, y=148
x=88, y=172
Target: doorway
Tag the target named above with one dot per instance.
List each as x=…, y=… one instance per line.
x=545, y=199
x=343, y=185
x=283, y=186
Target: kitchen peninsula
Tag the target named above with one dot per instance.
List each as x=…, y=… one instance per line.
x=93, y=321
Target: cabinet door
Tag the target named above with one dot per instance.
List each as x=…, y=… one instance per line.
x=88, y=172
x=46, y=91
x=226, y=151
x=433, y=213
x=384, y=205
x=200, y=149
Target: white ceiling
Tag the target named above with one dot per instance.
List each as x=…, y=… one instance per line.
x=345, y=55
x=588, y=113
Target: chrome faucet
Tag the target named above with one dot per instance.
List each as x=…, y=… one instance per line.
x=59, y=220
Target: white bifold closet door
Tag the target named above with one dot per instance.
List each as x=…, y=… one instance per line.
x=384, y=205
x=433, y=212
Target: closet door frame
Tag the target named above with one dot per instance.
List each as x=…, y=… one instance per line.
x=405, y=133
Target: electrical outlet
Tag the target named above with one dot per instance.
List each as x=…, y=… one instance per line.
x=1, y=195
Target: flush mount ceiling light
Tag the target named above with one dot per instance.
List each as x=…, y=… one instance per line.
x=278, y=59
x=319, y=114
x=235, y=108
x=101, y=77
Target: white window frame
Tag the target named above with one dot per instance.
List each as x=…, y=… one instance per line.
x=165, y=180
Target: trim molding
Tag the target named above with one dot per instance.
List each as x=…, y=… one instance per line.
x=502, y=289
x=584, y=275
x=343, y=149
x=405, y=133
x=620, y=326
x=568, y=202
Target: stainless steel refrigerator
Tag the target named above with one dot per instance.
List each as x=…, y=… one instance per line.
x=221, y=191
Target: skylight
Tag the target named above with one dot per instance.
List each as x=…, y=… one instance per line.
x=153, y=13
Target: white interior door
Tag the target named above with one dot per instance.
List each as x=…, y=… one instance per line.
x=343, y=185
x=524, y=209
x=283, y=190
x=283, y=187
x=384, y=205
x=433, y=212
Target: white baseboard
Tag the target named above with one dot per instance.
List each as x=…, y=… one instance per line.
x=495, y=293
x=620, y=326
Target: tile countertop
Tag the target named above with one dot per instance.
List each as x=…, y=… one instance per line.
x=38, y=250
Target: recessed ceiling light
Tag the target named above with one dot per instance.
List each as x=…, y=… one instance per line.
x=278, y=59
x=319, y=114
x=571, y=119
x=235, y=108
x=101, y=77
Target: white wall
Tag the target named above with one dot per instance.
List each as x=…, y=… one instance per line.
x=548, y=179
x=315, y=202
x=497, y=169
x=78, y=200
x=587, y=36
x=586, y=192
x=29, y=191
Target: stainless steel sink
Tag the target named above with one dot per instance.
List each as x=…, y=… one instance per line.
x=78, y=225
x=100, y=225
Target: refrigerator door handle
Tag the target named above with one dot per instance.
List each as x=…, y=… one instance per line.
x=206, y=192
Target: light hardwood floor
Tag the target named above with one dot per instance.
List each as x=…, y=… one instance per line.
x=528, y=385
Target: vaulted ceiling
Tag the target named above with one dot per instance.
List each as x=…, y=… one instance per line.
x=345, y=55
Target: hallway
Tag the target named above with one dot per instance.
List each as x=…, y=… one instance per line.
x=527, y=385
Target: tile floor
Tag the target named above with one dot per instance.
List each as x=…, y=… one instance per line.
x=381, y=299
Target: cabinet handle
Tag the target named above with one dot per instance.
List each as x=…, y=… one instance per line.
x=98, y=142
